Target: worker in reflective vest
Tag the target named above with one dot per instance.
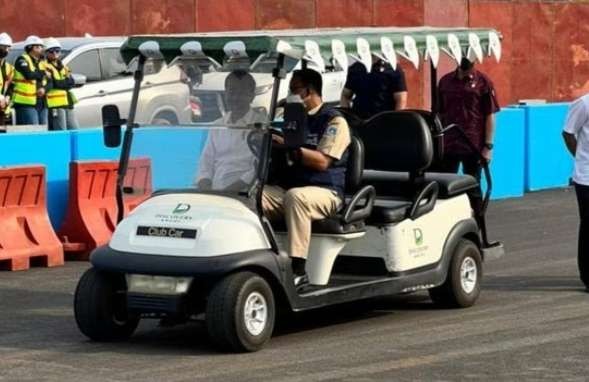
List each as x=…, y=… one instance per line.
x=59, y=98
x=31, y=83
x=6, y=77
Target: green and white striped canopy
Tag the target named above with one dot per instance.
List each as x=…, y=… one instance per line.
x=317, y=45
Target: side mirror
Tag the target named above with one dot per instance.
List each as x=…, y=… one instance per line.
x=79, y=80
x=111, y=125
x=295, y=122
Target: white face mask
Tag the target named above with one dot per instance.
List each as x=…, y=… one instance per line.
x=293, y=98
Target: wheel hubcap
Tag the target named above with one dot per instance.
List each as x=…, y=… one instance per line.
x=468, y=275
x=255, y=313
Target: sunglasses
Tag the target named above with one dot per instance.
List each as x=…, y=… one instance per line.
x=54, y=51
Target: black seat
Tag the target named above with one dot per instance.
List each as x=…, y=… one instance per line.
x=391, y=184
x=399, y=141
x=437, y=131
x=388, y=211
x=356, y=209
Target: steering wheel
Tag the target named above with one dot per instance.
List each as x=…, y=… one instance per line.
x=254, y=142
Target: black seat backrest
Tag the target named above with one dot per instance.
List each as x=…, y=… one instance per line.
x=437, y=130
x=355, y=166
x=397, y=141
x=354, y=122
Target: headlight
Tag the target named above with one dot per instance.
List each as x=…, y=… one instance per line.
x=158, y=284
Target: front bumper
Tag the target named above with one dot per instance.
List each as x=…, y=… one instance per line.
x=158, y=304
x=202, y=268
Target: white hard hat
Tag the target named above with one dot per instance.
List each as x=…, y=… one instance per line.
x=52, y=43
x=5, y=39
x=33, y=40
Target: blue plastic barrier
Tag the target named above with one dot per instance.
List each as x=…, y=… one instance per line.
x=507, y=164
x=51, y=149
x=87, y=144
x=55, y=150
x=548, y=164
x=168, y=170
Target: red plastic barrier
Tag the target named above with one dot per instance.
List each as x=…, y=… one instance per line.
x=26, y=235
x=92, y=207
x=137, y=184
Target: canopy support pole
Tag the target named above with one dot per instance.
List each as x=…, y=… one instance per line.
x=128, y=138
x=279, y=74
x=434, y=87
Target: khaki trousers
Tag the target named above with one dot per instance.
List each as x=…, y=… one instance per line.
x=299, y=207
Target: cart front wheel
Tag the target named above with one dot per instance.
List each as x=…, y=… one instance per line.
x=240, y=312
x=100, y=307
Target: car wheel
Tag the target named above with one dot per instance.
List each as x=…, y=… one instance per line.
x=463, y=283
x=240, y=312
x=100, y=307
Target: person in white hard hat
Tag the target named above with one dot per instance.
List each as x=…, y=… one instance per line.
x=32, y=81
x=6, y=77
x=60, y=100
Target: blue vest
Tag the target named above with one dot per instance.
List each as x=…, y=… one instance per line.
x=334, y=177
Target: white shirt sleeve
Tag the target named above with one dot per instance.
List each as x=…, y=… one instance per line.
x=207, y=158
x=248, y=176
x=577, y=116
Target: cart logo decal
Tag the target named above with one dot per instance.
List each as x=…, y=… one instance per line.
x=418, y=235
x=181, y=208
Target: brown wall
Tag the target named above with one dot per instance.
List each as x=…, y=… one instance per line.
x=545, y=42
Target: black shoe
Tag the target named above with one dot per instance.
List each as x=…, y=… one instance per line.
x=300, y=281
x=587, y=289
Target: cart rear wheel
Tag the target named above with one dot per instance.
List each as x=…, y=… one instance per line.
x=100, y=307
x=463, y=283
x=240, y=312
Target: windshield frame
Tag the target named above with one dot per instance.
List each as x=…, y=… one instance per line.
x=255, y=191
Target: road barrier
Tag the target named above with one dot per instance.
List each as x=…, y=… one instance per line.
x=92, y=208
x=508, y=162
x=548, y=163
x=27, y=237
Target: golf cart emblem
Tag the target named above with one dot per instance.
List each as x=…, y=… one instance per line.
x=418, y=236
x=181, y=208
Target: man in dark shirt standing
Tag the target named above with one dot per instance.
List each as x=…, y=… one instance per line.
x=467, y=98
x=382, y=89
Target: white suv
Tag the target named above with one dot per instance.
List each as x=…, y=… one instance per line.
x=108, y=80
x=208, y=93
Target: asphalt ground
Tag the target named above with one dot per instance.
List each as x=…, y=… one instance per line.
x=530, y=323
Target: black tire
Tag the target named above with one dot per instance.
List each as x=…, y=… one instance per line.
x=100, y=307
x=225, y=318
x=452, y=294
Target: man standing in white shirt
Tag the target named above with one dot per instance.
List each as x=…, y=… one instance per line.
x=576, y=138
x=227, y=163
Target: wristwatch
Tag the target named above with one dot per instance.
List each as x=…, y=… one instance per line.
x=488, y=146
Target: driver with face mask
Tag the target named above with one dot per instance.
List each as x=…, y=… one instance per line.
x=227, y=162
x=313, y=187
x=6, y=77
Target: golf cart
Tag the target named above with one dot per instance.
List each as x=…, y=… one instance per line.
x=202, y=245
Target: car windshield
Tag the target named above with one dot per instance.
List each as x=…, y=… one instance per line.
x=188, y=149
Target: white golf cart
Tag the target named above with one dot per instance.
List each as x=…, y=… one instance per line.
x=201, y=244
